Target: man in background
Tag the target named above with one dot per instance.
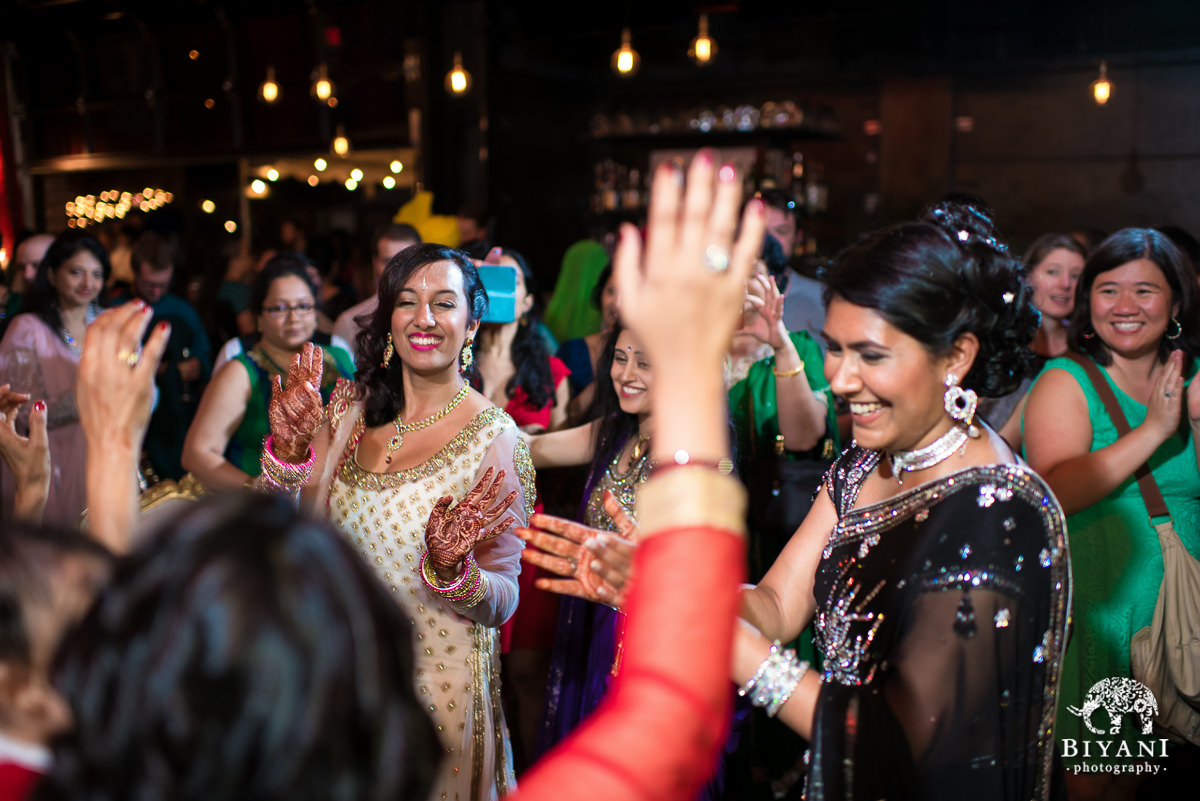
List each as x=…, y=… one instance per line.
x=389, y=240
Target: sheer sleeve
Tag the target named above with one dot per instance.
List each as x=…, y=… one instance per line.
x=667, y=713
x=28, y=363
x=959, y=700
x=500, y=558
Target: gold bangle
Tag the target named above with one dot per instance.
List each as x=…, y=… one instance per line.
x=787, y=373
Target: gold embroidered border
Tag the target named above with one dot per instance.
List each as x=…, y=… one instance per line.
x=351, y=473
x=525, y=472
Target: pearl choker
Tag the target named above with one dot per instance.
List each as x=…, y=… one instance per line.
x=935, y=452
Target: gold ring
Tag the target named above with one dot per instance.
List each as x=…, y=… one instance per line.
x=130, y=357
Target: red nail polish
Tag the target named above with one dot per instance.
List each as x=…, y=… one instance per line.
x=164, y=326
x=40, y=406
x=704, y=158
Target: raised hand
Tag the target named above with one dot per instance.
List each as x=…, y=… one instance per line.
x=1165, y=404
x=27, y=457
x=452, y=533
x=295, y=413
x=598, y=565
x=764, y=298
x=116, y=375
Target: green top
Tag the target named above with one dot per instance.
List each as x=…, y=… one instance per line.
x=755, y=412
x=245, y=446
x=1116, y=559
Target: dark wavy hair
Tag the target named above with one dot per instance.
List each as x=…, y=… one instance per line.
x=616, y=426
x=1131, y=244
x=939, y=278
x=382, y=386
x=529, y=354
x=42, y=299
x=1046, y=244
x=29, y=559
x=280, y=266
x=218, y=665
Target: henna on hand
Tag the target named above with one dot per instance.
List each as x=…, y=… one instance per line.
x=452, y=533
x=567, y=548
x=296, y=412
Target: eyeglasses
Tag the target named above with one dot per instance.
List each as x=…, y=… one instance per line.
x=281, y=311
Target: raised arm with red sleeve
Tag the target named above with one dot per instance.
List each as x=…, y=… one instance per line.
x=658, y=733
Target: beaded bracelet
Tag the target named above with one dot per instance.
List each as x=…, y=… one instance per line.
x=466, y=591
x=285, y=475
x=682, y=458
x=772, y=684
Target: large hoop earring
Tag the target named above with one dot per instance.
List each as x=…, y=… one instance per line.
x=388, y=350
x=467, y=357
x=960, y=403
x=1178, y=329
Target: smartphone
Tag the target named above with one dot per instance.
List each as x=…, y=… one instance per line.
x=500, y=281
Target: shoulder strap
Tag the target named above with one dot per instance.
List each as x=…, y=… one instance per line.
x=1151, y=495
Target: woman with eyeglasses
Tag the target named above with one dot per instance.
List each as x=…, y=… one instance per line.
x=225, y=441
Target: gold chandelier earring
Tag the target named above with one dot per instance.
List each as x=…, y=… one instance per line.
x=467, y=357
x=388, y=350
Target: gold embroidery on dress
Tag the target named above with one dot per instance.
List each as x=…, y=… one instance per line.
x=356, y=476
x=345, y=393
x=524, y=464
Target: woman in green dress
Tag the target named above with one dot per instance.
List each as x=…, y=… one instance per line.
x=224, y=444
x=1136, y=316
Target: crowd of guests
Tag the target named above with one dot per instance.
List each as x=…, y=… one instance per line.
x=948, y=546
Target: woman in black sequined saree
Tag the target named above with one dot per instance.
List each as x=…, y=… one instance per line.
x=934, y=562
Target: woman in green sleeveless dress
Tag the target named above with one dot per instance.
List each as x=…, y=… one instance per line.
x=1136, y=316
x=224, y=444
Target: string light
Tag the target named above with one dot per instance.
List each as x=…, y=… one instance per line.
x=625, y=60
x=323, y=88
x=356, y=174
x=703, y=49
x=395, y=166
x=112, y=204
x=340, y=144
x=313, y=180
x=458, y=80
x=1102, y=87
x=207, y=206
x=268, y=90
x=389, y=182
x=272, y=174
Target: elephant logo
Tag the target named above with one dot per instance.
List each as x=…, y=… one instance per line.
x=1118, y=696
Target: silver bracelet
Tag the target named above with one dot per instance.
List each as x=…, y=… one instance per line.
x=772, y=684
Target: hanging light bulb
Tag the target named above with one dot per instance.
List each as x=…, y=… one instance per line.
x=625, y=60
x=340, y=145
x=323, y=88
x=703, y=49
x=1102, y=87
x=458, y=80
x=268, y=90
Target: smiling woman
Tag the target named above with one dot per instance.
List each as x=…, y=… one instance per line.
x=1136, y=318
x=39, y=356
x=424, y=476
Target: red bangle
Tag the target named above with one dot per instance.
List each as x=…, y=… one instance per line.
x=682, y=458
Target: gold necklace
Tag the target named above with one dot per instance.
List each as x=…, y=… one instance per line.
x=403, y=428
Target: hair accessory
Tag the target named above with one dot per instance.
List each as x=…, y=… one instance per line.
x=787, y=373
x=467, y=356
x=960, y=403
x=388, y=350
x=964, y=235
x=281, y=475
x=1178, y=329
x=403, y=428
x=1008, y=298
x=716, y=258
x=776, y=678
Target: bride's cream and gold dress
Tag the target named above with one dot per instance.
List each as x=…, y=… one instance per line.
x=456, y=651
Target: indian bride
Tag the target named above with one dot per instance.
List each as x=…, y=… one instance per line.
x=418, y=470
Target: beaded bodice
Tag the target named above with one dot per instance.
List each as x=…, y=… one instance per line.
x=623, y=483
